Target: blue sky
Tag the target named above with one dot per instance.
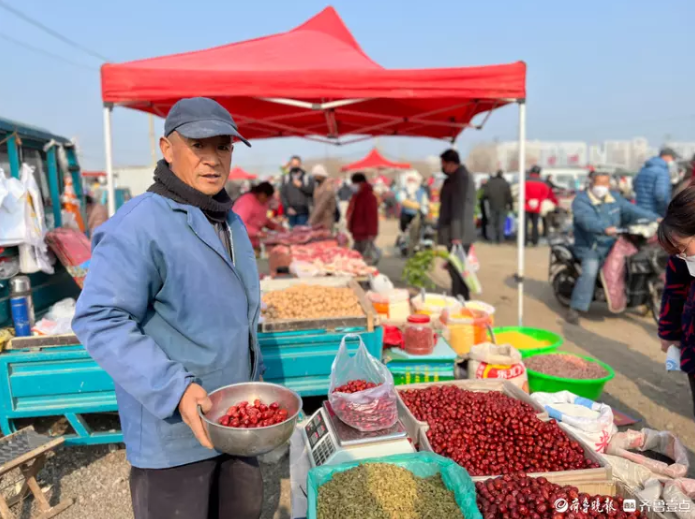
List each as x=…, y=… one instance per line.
x=597, y=70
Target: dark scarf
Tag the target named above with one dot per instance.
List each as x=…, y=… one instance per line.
x=168, y=185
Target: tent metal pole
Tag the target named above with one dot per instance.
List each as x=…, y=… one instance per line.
x=108, y=152
x=521, y=227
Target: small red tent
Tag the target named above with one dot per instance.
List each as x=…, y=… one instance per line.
x=375, y=160
x=239, y=174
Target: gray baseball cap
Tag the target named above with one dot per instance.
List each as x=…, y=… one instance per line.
x=201, y=118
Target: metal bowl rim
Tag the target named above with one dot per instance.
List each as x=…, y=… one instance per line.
x=267, y=427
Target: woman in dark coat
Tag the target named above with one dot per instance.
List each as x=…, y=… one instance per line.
x=677, y=318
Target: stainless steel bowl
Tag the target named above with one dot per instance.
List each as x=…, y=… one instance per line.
x=250, y=442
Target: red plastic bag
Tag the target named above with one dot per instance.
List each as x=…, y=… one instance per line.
x=369, y=410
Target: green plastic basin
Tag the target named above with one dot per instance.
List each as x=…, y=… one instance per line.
x=539, y=334
x=590, y=389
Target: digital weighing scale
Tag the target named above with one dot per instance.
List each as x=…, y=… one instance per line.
x=330, y=442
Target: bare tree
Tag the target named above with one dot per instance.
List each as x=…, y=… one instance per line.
x=482, y=158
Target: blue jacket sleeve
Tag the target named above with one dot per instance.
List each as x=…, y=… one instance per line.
x=121, y=282
x=585, y=217
x=662, y=191
x=632, y=213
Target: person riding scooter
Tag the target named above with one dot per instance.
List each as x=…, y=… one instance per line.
x=598, y=213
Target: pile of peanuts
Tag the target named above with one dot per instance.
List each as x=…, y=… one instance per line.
x=311, y=302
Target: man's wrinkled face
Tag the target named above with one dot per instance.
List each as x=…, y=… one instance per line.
x=203, y=164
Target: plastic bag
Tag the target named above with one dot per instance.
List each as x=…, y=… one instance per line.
x=678, y=502
x=304, y=269
x=369, y=410
x=497, y=361
x=422, y=464
x=662, y=442
x=12, y=203
x=459, y=260
x=33, y=253
x=473, y=259
x=632, y=474
x=567, y=408
x=673, y=358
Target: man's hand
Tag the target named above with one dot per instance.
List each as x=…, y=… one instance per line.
x=297, y=183
x=193, y=397
x=456, y=242
x=611, y=231
x=291, y=211
x=665, y=344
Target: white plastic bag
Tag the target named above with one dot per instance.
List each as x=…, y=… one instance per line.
x=304, y=269
x=591, y=421
x=369, y=410
x=662, y=442
x=12, y=202
x=380, y=283
x=459, y=260
x=673, y=358
x=678, y=502
x=632, y=474
x=58, y=319
x=33, y=253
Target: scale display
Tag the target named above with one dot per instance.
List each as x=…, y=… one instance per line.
x=329, y=441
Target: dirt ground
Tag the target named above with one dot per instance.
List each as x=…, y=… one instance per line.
x=97, y=476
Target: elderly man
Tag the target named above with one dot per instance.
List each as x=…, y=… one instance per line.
x=597, y=215
x=170, y=309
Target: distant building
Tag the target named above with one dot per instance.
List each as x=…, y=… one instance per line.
x=628, y=154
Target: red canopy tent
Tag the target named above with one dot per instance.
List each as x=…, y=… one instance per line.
x=316, y=82
x=375, y=160
x=239, y=174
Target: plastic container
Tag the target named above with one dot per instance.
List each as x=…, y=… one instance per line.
x=434, y=304
x=422, y=464
x=484, y=307
x=553, y=340
x=466, y=329
x=394, y=304
x=418, y=337
x=588, y=388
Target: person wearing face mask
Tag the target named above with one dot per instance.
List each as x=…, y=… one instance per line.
x=363, y=216
x=598, y=213
x=677, y=317
x=323, y=213
x=652, y=185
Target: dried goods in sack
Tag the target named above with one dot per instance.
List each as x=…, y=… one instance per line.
x=591, y=421
x=662, y=442
x=385, y=491
x=497, y=361
x=372, y=409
